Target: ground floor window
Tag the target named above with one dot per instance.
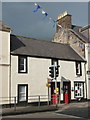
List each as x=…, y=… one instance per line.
x=22, y=93
x=79, y=89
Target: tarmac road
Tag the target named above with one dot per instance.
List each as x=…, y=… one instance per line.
x=43, y=115
x=72, y=111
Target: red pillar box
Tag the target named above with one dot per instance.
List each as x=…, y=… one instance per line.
x=66, y=100
x=54, y=99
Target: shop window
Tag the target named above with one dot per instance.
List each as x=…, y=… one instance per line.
x=79, y=89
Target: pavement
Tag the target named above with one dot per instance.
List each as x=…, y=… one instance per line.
x=27, y=109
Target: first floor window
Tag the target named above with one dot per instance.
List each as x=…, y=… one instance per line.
x=78, y=68
x=79, y=89
x=22, y=64
x=22, y=93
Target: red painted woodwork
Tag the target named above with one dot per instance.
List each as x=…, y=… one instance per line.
x=54, y=99
x=67, y=92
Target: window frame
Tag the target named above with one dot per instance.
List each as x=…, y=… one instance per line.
x=80, y=69
x=19, y=85
x=74, y=89
x=25, y=64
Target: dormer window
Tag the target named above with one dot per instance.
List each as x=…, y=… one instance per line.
x=22, y=64
x=78, y=69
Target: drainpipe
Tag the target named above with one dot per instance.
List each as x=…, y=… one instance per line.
x=10, y=76
x=10, y=82
x=85, y=78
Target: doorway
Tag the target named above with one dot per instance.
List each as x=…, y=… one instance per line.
x=67, y=92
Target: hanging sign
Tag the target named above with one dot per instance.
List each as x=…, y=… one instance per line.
x=48, y=84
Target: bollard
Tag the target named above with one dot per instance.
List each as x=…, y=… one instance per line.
x=14, y=103
x=38, y=100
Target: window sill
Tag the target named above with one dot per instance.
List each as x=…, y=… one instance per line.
x=22, y=73
x=78, y=76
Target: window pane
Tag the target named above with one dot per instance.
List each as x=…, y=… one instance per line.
x=22, y=97
x=22, y=93
x=21, y=60
x=21, y=67
x=22, y=89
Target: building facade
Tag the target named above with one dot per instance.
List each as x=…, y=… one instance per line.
x=25, y=70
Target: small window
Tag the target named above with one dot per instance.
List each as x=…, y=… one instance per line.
x=22, y=93
x=78, y=69
x=22, y=64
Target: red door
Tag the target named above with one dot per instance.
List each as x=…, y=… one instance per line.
x=67, y=92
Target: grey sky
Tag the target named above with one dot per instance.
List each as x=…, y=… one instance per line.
x=19, y=16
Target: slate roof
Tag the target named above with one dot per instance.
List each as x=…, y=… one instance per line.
x=86, y=32
x=42, y=48
x=77, y=30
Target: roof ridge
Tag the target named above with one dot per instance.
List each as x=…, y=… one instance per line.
x=49, y=41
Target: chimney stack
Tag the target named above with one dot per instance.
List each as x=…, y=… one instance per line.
x=65, y=20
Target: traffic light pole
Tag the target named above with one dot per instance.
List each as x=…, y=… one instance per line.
x=54, y=75
x=55, y=79
x=55, y=84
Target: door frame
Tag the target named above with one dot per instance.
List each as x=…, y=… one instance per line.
x=69, y=82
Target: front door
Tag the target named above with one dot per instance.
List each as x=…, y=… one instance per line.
x=66, y=92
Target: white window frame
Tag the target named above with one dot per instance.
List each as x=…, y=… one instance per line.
x=79, y=90
x=78, y=68
x=22, y=93
x=24, y=64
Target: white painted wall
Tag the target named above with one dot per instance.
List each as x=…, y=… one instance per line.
x=36, y=78
x=5, y=45
x=38, y=72
x=4, y=64
x=68, y=72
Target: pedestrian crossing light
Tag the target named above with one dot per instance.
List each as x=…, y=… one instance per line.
x=51, y=71
x=57, y=70
x=54, y=71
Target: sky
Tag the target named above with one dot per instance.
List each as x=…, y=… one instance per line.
x=24, y=22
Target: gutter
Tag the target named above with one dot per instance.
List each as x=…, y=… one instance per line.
x=85, y=79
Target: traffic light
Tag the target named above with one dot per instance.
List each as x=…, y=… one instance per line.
x=57, y=71
x=51, y=72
